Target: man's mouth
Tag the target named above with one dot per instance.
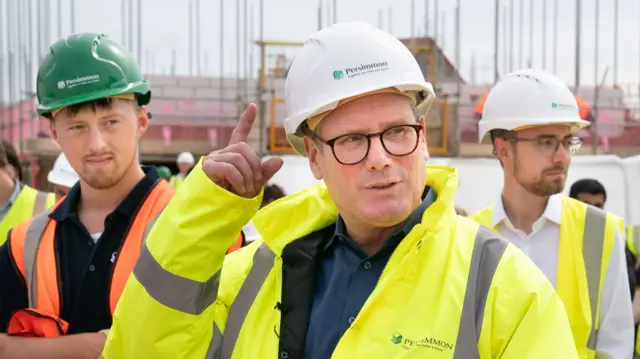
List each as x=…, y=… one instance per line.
x=383, y=185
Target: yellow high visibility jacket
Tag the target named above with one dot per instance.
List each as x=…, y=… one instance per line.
x=176, y=181
x=452, y=289
x=633, y=239
x=586, y=238
x=29, y=203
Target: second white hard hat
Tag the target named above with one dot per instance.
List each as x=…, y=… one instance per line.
x=62, y=174
x=526, y=98
x=185, y=157
x=343, y=61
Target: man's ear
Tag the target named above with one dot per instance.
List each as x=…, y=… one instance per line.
x=424, y=127
x=143, y=120
x=313, y=154
x=52, y=130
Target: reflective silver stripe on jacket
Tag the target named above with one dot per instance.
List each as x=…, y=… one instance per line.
x=592, y=247
x=32, y=243
x=40, y=203
x=163, y=285
x=487, y=252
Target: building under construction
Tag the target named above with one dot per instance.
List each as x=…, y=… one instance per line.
x=197, y=114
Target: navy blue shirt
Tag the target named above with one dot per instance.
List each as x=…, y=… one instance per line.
x=344, y=281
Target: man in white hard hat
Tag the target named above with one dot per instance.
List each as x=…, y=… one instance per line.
x=185, y=162
x=375, y=265
x=62, y=176
x=531, y=118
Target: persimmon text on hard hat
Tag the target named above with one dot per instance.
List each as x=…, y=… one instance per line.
x=360, y=70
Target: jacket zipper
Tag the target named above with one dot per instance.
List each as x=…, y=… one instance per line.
x=384, y=270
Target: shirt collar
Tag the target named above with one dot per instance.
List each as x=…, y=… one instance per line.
x=552, y=212
x=128, y=207
x=17, y=188
x=428, y=197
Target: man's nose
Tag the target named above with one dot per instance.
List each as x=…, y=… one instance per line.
x=378, y=158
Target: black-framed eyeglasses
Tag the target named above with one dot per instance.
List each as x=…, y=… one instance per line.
x=549, y=145
x=353, y=148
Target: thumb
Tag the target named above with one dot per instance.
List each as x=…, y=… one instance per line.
x=270, y=167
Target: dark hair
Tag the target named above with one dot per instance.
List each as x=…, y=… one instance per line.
x=3, y=155
x=587, y=185
x=95, y=105
x=272, y=193
x=12, y=157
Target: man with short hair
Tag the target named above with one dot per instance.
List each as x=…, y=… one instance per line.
x=531, y=118
x=589, y=191
x=63, y=271
x=376, y=264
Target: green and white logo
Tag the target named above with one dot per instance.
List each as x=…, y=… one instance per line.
x=360, y=70
x=562, y=106
x=396, y=338
x=78, y=81
x=427, y=342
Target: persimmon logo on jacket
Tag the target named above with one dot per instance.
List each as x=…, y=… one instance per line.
x=426, y=342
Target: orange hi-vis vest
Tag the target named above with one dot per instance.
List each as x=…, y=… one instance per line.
x=33, y=250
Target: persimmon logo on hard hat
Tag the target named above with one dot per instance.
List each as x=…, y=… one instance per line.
x=360, y=70
x=70, y=83
x=561, y=106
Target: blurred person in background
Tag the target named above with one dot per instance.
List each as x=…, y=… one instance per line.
x=589, y=191
x=164, y=172
x=15, y=167
x=62, y=176
x=18, y=201
x=185, y=162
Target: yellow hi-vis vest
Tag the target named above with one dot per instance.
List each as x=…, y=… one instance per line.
x=29, y=203
x=451, y=289
x=587, y=235
x=633, y=239
x=176, y=181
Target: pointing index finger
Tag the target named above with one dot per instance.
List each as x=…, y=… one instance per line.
x=243, y=128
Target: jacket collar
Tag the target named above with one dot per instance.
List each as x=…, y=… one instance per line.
x=312, y=209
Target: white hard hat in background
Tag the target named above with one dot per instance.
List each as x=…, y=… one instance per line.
x=346, y=60
x=529, y=98
x=185, y=157
x=62, y=174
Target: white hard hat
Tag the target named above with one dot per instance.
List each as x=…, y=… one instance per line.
x=62, y=174
x=185, y=157
x=343, y=61
x=529, y=98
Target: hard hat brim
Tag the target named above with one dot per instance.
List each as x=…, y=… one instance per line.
x=485, y=128
x=60, y=179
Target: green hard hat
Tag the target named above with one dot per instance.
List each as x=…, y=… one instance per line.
x=164, y=172
x=85, y=67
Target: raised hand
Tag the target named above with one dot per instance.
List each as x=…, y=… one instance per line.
x=237, y=167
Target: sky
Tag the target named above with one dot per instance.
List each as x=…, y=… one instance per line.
x=165, y=29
